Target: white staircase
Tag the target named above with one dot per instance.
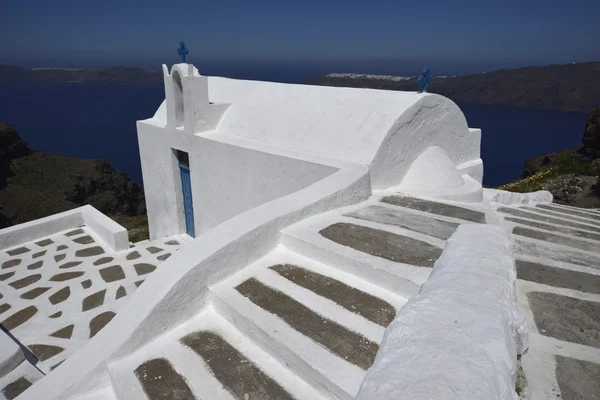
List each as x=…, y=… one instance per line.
x=296, y=363
x=304, y=238
x=332, y=374
x=194, y=370
x=288, y=326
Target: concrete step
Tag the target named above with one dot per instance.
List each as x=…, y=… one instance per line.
x=386, y=255
x=436, y=208
x=18, y=380
x=543, y=250
x=552, y=275
x=325, y=328
x=570, y=211
x=559, y=214
x=548, y=237
x=512, y=221
x=402, y=218
x=350, y=298
x=205, y=358
x=592, y=211
x=542, y=216
x=557, y=239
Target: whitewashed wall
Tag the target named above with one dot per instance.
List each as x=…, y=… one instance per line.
x=227, y=179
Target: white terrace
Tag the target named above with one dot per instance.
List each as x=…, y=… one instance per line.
x=344, y=249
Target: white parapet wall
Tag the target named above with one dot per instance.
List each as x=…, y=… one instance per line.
x=460, y=336
x=512, y=198
x=112, y=234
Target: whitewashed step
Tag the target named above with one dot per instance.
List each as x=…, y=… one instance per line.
x=331, y=375
x=11, y=354
x=538, y=215
x=282, y=303
x=18, y=380
x=401, y=278
x=592, y=211
x=571, y=211
x=169, y=361
x=105, y=393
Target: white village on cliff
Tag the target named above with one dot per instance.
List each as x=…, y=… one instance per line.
x=306, y=243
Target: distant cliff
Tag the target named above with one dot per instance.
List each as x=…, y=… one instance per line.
x=569, y=87
x=113, y=75
x=35, y=184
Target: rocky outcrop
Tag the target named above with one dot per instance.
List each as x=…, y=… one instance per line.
x=573, y=190
x=108, y=189
x=542, y=163
x=591, y=136
x=11, y=147
x=38, y=184
x=572, y=176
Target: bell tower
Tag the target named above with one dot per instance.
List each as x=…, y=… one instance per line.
x=187, y=96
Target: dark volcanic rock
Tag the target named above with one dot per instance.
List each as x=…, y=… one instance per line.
x=572, y=175
x=11, y=147
x=39, y=184
x=589, y=153
x=542, y=163
x=110, y=190
x=591, y=135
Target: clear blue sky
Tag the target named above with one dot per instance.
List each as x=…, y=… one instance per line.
x=458, y=35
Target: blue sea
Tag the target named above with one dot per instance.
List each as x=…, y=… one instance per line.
x=98, y=121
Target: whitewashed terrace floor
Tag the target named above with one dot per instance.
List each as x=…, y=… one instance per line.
x=58, y=292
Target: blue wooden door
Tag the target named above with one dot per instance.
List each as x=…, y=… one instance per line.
x=188, y=205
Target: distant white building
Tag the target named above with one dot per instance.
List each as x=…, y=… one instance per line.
x=217, y=147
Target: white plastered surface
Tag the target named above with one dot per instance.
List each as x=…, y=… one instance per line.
x=512, y=198
x=418, y=356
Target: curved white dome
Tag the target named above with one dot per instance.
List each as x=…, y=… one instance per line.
x=432, y=169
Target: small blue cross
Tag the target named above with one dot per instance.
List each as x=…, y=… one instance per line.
x=425, y=80
x=182, y=51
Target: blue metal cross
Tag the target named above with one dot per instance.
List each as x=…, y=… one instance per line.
x=425, y=80
x=182, y=51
